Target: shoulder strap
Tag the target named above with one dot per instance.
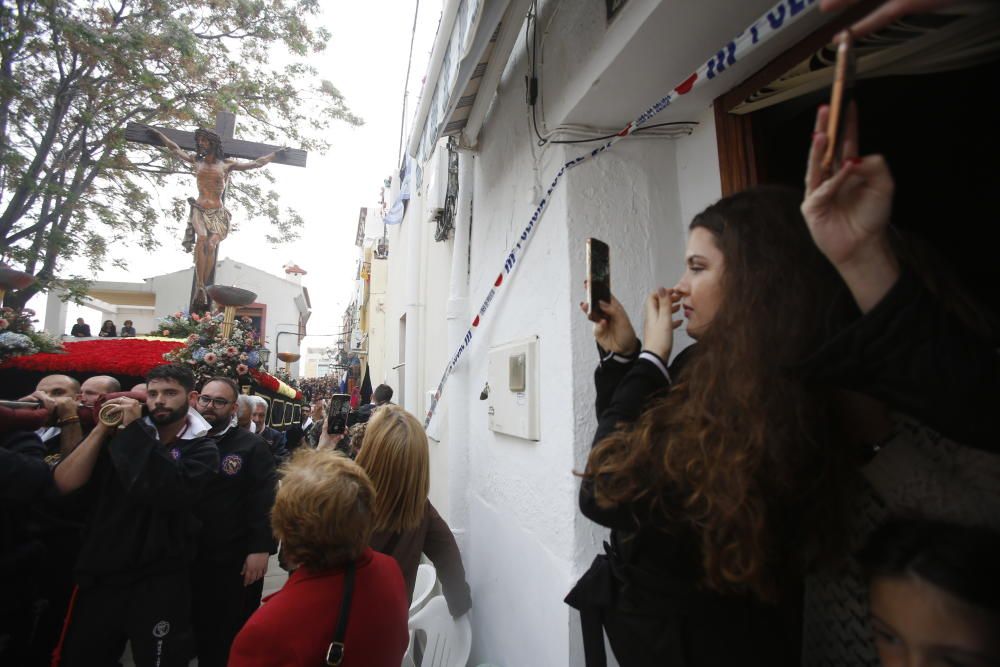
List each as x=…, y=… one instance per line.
x=335, y=653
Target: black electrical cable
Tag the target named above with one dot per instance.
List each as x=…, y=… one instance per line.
x=534, y=88
x=608, y=136
x=532, y=53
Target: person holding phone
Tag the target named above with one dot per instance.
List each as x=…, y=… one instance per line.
x=722, y=474
x=904, y=346
x=917, y=352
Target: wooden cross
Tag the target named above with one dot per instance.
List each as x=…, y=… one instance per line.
x=225, y=123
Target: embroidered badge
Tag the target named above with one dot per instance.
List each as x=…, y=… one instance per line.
x=176, y=453
x=231, y=464
x=161, y=629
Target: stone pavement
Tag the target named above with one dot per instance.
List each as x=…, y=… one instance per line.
x=273, y=581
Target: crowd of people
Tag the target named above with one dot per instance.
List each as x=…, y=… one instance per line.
x=108, y=330
x=812, y=482
x=320, y=388
x=149, y=517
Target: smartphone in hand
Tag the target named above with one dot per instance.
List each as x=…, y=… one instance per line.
x=840, y=98
x=598, y=277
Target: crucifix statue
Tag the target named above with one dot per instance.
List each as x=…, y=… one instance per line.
x=212, y=162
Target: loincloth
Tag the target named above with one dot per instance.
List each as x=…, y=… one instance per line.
x=214, y=220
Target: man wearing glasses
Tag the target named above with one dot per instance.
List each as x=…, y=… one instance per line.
x=236, y=540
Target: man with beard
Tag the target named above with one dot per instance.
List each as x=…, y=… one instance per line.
x=235, y=543
x=143, y=479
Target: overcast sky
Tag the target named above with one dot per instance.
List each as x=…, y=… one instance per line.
x=366, y=59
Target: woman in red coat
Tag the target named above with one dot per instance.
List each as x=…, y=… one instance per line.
x=323, y=517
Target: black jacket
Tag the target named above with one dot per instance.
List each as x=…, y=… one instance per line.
x=910, y=352
x=235, y=510
x=24, y=480
x=142, y=519
x=295, y=437
x=275, y=440
x=645, y=591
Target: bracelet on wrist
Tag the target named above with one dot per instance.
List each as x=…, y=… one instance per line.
x=67, y=420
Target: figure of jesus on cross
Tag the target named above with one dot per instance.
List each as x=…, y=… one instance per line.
x=208, y=222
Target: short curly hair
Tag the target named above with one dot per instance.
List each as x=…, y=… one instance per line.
x=357, y=435
x=323, y=511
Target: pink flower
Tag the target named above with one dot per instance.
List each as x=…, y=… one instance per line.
x=243, y=357
x=210, y=357
x=178, y=314
x=195, y=317
x=242, y=369
x=4, y=323
x=232, y=351
x=165, y=332
x=193, y=337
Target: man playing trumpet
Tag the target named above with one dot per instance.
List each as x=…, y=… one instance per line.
x=143, y=478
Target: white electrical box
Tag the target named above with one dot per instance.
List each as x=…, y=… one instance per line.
x=513, y=389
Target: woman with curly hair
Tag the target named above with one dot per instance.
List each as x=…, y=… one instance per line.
x=723, y=475
x=342, y=599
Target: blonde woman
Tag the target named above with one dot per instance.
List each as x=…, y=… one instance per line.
x=323, y=517
x=395, y=456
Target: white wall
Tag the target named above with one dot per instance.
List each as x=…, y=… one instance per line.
x=173, y=293
x=523, y=539
x=279, y=294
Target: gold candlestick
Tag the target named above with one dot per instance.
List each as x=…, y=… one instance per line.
x=230, y=298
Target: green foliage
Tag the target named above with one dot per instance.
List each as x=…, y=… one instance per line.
x=73, y=74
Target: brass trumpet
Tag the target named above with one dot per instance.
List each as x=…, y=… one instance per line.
x=111, y=414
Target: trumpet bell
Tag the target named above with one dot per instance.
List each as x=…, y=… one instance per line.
x=110, y=414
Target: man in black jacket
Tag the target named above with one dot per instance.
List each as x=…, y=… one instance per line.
x=274, y=438
x=228, y=576
x=143, y=479
x=24, y=480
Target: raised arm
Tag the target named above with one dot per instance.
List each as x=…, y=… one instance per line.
x=255, y=164
x=173, y=148
x=75, y=470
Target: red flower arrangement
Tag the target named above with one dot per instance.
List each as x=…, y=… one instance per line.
x=125, y=356
x=274, y=385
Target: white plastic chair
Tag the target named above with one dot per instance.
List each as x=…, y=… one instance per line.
x=422, y=590
x=449, y=640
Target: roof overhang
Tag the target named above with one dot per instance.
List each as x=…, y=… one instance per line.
x=470, y=52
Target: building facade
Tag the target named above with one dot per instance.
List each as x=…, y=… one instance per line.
x=504, y=286
x=280, y=311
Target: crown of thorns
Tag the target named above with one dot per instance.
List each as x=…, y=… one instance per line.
x=214, y=141
x=207, y=134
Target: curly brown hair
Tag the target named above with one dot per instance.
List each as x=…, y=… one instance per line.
x=324, y=509
x=740, y=450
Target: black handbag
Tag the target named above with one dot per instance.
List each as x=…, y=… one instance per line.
x=335, y=654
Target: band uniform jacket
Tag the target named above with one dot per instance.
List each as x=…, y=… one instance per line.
x=143, y=495
x=235, y=510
